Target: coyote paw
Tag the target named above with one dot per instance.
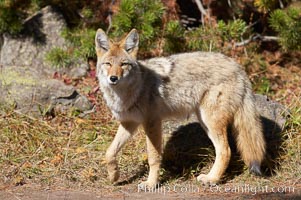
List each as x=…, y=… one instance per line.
x=147, y=185
x=113, y=175
x=207, y=180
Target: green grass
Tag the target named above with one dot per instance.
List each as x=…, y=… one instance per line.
x=58, y=58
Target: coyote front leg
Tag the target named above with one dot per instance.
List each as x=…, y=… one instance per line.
x=154, y=151
x=125, y=131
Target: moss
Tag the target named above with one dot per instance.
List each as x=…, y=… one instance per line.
x=9, y=77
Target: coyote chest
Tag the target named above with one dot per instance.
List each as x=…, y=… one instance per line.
x=122, y=104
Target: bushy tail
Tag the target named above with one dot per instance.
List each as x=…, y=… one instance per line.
x=249, y=134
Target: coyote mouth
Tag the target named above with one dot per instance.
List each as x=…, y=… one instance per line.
x=113, y=83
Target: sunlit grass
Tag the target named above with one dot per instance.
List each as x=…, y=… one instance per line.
x=69, y=151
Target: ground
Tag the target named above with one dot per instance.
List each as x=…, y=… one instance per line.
x=186, y=191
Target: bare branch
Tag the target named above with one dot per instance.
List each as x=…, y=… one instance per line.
x=257, y=37
x=201, y=7
x=229, y=3
x=243, y=43
x=281, y=4
x=110, y=23
x=269, y=38
x=110, y=17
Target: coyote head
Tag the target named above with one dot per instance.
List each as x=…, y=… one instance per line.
x=115, y=60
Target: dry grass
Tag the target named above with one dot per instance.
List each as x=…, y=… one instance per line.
x=290, y=160
x=68, y=152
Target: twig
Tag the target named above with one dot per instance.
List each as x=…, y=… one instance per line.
x=254, y=23
x=243, y=43
x=68, y=145
x=203, y=11
x=229, y=3
x=24, y=115
x=256, y=37
x=110, y=22
x=269, y=38
x=110, y=17
x=201, y=7
x=281, y=4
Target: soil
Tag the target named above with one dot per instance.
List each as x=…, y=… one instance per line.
x=34, y=192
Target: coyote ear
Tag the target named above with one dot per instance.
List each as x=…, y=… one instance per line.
x=131, y=43
x=102, y=42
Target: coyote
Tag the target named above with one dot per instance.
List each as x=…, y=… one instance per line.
x=210, y=85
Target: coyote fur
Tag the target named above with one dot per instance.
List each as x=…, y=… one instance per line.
x=210, y=85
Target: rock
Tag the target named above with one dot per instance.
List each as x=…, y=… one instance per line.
x=79, y=72
x=25, y=76
x=271, y=110
x=40, y=34
x=82, y=103
x=24, y=89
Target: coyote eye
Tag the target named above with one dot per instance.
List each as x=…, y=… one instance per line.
x=106, y=63
x=124, y=64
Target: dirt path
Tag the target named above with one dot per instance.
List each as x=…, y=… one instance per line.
x=129, y=192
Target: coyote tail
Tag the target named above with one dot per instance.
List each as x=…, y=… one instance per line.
x=249, y=134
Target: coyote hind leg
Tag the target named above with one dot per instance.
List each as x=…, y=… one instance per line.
x=216, y=124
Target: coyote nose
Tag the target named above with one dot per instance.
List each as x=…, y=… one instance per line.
x=114, y=79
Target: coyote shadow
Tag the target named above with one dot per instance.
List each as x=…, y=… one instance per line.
x=189, y=151
x=141, y=171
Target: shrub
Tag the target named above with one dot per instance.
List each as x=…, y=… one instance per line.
x=233, y=30
x=10, y=18
x=81, y=42
x=288, y=25
x=174, y=35
x=145, y=16
x=58, y=58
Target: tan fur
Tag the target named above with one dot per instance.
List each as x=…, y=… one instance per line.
x=210, y=85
